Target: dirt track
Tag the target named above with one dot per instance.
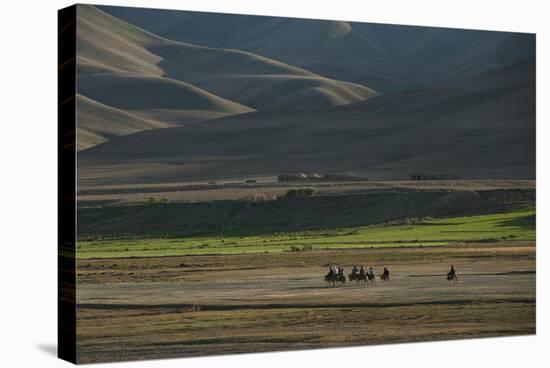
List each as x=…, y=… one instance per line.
x=184, y=306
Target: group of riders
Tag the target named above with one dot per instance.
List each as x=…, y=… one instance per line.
x=336, y=274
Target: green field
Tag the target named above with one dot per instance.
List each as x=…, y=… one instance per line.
x=518, y=225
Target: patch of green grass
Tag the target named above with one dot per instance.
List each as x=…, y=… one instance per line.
x=427, y=232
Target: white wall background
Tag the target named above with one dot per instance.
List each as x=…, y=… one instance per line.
x=28, y=187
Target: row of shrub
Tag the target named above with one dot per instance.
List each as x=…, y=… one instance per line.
x=291, y=193
x=297, y=248
x=300, y=192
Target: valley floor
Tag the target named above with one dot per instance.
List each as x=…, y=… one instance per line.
x=161, y=307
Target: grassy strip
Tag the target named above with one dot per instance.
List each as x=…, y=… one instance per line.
x=427, y=232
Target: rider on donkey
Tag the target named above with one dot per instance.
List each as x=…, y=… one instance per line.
x=452, y=273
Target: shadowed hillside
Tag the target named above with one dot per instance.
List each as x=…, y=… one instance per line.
x=467, y=107
x=92, y=129
x=174, y=83
x=478, y=128
x=385, y=57
x=231, y=74
x=164, y=96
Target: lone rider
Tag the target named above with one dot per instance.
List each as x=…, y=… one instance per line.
x=386, y=272
x=452, y=272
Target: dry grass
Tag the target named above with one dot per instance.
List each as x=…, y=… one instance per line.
x=184, y=306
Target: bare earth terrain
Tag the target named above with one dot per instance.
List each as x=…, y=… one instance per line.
x=163, y=307
x=267, y=188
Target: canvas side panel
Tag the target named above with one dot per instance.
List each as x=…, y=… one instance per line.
x=66, y=184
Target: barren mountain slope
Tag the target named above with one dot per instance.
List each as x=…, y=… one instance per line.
x=478, y=128
x=382, y=56
x=92, y=128
x=231, y=74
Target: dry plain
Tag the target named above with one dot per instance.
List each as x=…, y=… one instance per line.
x=160, y=307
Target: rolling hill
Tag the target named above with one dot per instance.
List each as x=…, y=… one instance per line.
x=161, y=99
x=161, y=83
x=231, y=74
x=92, y=115
x=481, y=127
x=239, y=96
x=385, y=57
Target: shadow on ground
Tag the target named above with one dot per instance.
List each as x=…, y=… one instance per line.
x=526, y=222
x=50, y=349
